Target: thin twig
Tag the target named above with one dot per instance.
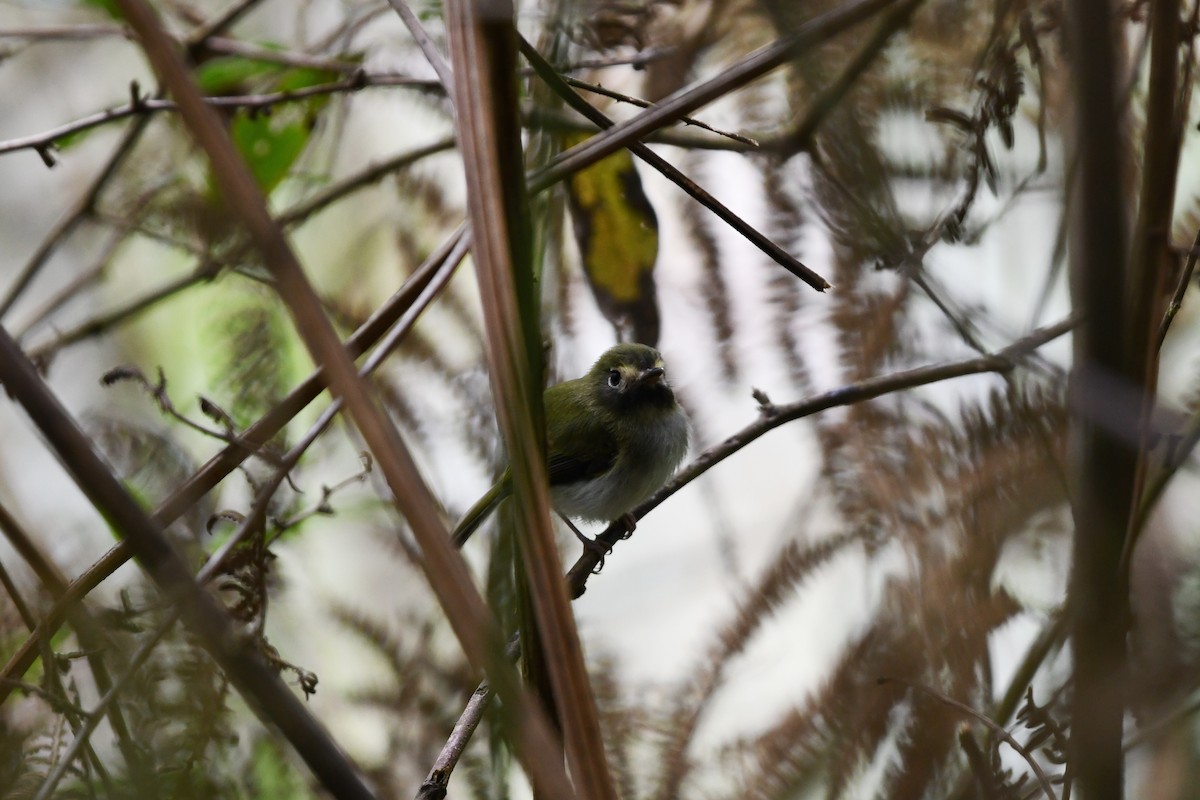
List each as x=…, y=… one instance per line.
x=220, y=23
x=690, y=98
x=49, y=33
x=541, y=117
x=372, y=173
x=248, y=50
x=84, y=278
x=1002, y=361
x=999, y=730
x=777, y=253
x=428, y=48
x=434, y=786
x=107, y=321
x=1185, y=279
x=575, y=83
x=44, y=142
x=81, y=209
x=296, y=215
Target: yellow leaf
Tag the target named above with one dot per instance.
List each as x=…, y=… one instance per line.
x=617, y=234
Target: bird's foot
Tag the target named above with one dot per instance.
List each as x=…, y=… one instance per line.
x=590, y=545
x=630, y=523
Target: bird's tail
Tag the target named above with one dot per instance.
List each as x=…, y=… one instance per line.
x=477, y=513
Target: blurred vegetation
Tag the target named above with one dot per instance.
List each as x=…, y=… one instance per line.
x=917, y=162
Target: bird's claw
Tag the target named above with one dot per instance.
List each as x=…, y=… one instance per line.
x=590, y=545
x=630, y=523
x=599, y=548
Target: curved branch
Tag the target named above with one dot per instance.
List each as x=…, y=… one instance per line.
x=999, y=730
x=773, y=416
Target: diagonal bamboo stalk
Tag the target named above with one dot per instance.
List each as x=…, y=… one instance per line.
x=444, y=567
x=255, y=679
x=229, y=458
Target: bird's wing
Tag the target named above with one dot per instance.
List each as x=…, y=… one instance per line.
x=579, y=444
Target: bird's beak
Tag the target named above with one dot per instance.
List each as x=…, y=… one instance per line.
x=648, y=376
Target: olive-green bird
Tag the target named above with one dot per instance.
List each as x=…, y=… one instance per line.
x=613, y=438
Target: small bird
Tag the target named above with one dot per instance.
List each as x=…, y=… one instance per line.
x=613, y=438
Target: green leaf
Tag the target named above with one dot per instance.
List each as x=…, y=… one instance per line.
x=72, y=139
x=274, y=778
x=270, y=141
x=230, y=74
x=303, y=77
x=109, y=7
x=270, y=145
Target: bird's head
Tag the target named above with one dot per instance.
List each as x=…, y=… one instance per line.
x=631, y=375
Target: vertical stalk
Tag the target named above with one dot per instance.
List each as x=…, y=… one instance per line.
x=1108, y=401
x=483, y=48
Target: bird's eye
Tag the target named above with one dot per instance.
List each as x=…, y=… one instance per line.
x=614, y=378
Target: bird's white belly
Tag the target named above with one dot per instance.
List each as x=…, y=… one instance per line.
x=638, y=473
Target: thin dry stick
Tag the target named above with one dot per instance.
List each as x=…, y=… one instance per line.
x=105, y=322
x=1185, y=279
x=81, y=209
x=221, y=22
x=50, y=33
x=236, y=47
x=777, y=253
x=447, y=572
x=372, y=173
x=556, y=119
x=575, y=83
x=999, y=730
x=204, y=271
x=434, y=787
x=142, y=106
x=428, y=48
x=773, y=416
x=690, y=98
x=86, y=277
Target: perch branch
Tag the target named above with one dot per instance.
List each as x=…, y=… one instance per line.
x=1002, y=361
